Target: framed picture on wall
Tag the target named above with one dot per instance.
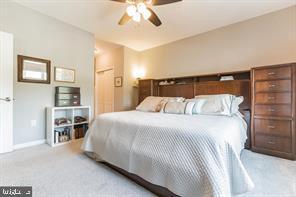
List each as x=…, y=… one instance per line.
x=64, y=75
x=118, y=81
x=33, y=70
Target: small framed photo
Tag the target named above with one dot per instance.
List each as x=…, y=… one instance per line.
x=118, y=81
x=64, y=75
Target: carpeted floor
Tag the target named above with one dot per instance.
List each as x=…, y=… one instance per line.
x=66, y=171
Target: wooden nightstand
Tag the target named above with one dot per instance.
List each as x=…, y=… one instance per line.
x=273, y=110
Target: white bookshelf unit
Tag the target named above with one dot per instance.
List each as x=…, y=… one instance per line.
x=52, y=113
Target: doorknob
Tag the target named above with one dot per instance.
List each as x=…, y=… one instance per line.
x=7, y=99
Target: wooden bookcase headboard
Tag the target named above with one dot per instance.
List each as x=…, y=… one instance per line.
x=191, y=86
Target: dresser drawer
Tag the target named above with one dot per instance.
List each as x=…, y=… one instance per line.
x=273, y=86
x=273, y=73
x=273, y=110
x=273, y=127
x=273, y=143
x=66, y=103
x=67, y=96
x=273, y=98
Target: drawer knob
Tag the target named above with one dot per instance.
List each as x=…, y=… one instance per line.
x=271, y=127
x=271, y=142
x=271, y=110
x=271, y=73
x=271, y=98
x=272, y=86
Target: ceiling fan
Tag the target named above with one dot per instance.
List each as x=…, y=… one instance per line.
x=140, y=8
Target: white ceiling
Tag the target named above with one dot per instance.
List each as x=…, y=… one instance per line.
x=180, y=20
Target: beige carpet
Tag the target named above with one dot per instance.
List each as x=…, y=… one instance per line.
x=66, y=171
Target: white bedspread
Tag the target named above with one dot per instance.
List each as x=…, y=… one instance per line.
x=190, y=155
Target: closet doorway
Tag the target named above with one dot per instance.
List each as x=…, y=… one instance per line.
x=104, y=87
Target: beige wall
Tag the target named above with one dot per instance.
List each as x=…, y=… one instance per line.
x=268, y=39
x=44, y=37
x=131, y=62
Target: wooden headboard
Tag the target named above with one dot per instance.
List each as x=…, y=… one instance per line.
x=236, y=87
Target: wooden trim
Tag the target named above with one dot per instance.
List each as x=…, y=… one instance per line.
x=20, y=60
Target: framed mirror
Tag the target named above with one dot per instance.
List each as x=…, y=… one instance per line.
x=33, y=70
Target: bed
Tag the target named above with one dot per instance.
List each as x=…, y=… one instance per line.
x=177, y=155
x=188, y=155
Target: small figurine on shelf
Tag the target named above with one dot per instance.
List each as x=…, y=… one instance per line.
x=61, y=121
x=79, y=119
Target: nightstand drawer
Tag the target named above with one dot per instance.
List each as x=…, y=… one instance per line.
x=273, y=143
x=273, y=98
x=273, y=127
x=273, y=110
x=273, y=86
x=273, y=73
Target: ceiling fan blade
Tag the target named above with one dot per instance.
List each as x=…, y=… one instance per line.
x=124, y=19
x=154, y=18
x=163, y=2
x=120, y=1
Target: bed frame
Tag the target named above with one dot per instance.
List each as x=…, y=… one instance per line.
x=189, y=87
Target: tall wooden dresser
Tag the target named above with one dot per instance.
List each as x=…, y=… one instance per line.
x=273, y=110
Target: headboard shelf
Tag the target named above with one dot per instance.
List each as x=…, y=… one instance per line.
x=238, y=75
x=190, y=86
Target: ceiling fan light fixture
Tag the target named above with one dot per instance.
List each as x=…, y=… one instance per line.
x=141, y=7
x=137, y=17
x=131, y=10
x=149, y=2
x=146, y=14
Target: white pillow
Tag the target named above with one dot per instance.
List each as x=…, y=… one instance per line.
x=235, y=104
x=150, y=104
x=219, y=104
x=198, y=103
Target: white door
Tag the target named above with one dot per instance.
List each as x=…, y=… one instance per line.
x=6, y=92
x=104, y=91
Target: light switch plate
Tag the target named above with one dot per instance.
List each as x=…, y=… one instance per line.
x=33, y=123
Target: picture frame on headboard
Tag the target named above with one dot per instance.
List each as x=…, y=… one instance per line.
x=64, y=75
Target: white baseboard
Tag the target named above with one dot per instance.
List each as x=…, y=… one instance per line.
x=28, y=144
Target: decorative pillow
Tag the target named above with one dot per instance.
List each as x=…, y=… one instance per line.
x=178, y=107
x=150, y=104
x=174, y=108
x=170, y=99
x=173, y=99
